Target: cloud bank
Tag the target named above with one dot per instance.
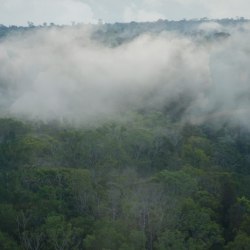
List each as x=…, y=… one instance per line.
x=64, y=74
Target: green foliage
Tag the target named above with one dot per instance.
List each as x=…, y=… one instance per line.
x=172, y=240
x=242, y=241
x=113, y=235
x=7, y=243
x=177, y=182
x=59, y=232
x=141, y=183
x=199, y=230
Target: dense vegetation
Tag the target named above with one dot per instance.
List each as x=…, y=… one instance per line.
x=146, y=180
x=144, y=183
x=118, y=33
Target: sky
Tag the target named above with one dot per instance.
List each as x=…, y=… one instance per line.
x=19, y=12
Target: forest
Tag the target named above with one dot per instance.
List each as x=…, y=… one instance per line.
x=148, y=183
x=89, y=164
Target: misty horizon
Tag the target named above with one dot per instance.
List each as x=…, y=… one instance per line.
x=100, y=21
x=75, y=73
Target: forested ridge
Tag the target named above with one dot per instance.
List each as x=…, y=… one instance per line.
x=125, y=136
x=145, y=183
x=115, y=34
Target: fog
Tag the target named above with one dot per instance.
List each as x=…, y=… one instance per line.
x=64, y=74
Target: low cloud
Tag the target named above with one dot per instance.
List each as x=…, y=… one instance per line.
x=64, y=74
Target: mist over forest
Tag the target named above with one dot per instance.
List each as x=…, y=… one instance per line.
x=125, y=136
x=89, y=72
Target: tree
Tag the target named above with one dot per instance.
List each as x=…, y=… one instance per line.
x=241, y=242
x=59, y=232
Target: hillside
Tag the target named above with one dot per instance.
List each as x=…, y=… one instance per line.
x=125, y=136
